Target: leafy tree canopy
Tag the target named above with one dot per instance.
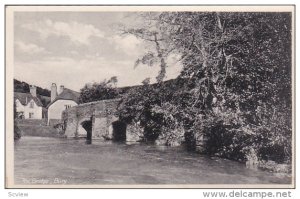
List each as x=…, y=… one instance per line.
x=99, y=91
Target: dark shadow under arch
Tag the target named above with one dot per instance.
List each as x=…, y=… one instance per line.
x=119, y=131
x=88, y=125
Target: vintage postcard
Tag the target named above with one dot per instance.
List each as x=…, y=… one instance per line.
x=150, y=96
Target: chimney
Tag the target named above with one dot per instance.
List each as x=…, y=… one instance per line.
x=33, y=90
x=61, y=89
x=53, y=92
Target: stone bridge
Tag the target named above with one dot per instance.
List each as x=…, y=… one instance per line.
x=94, y=120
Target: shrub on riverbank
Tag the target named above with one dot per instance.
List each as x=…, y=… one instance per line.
x=17, y=132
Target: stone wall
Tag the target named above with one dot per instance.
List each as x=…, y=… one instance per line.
x=101, y=113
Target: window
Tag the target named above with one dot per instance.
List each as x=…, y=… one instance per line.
x=31, y=105
x=31, y=115
x=67, y=106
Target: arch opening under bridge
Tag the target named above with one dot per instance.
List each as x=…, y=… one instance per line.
x=87, y=125
x=119, y=131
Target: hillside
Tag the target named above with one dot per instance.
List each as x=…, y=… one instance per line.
x=42, y=94
x=23, y=87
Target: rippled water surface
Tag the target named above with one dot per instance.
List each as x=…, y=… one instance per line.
x=67, y=161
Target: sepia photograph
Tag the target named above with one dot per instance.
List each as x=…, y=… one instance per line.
x=149, y=96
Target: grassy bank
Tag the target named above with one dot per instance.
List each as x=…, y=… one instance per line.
x=37, y=130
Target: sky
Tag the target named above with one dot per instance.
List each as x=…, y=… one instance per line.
x=75, y=48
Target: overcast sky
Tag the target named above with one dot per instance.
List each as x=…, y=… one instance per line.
x=74, y=48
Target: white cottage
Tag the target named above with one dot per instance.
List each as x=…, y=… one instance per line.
x=28, y=106
x=61, y=101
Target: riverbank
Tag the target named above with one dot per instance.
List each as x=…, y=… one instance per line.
x=37, y=130
x=274, y=167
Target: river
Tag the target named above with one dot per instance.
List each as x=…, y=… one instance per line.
x=42, y=160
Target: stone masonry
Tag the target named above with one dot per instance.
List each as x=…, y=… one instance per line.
x=101, y=113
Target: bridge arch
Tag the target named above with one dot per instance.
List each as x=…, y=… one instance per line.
x=118, y=130
x=85, y=129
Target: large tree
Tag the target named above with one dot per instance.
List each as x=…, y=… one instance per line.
x=235, y=82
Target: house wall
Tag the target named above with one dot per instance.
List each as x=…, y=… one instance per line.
x=55, y=110
x=20, y=107
x=36, y=110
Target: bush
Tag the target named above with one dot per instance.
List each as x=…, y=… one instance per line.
x=243, y=143
x=223, y=140
x=17, y=132
x=272, y=147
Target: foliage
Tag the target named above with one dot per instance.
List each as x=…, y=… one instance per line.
x=136, y=107
x=234, y=91
x=23, y=87
x=99, y=91
x=44, y=101
x=17, y=131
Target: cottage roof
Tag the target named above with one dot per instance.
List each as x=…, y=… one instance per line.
x=67, y=94
x=25, y=98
